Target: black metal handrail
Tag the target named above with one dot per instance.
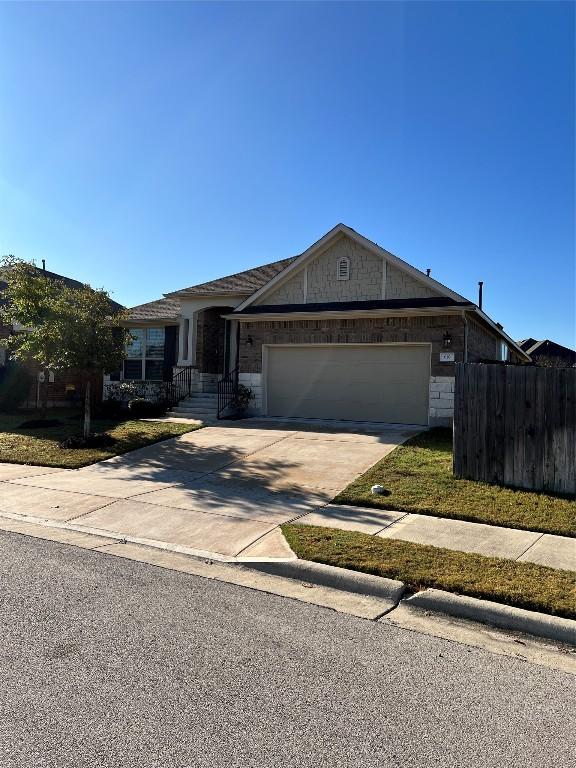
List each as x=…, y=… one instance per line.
x=227, y=391
x=180, y=386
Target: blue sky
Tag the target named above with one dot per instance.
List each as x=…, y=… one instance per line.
x=149, y=146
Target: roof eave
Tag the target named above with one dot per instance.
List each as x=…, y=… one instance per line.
x=502, y=332
x=347, y=313
x=134, y=323
x=206, y=295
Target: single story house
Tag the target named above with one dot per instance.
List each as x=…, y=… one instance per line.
x=548, y=353
x=346, y=330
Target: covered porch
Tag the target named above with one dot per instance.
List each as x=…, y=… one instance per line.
x=207, y=343
x=202, y=343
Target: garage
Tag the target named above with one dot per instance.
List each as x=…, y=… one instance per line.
x=356, y=382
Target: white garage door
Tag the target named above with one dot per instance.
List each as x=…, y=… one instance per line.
x=358, y=382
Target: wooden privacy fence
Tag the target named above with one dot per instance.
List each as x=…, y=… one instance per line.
x=516, y=426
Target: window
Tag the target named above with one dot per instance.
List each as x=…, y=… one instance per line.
x=145, y=354
x=343, y=268
x=132, y=369
x=155, y=343
x=136, y=344
x=504, y=352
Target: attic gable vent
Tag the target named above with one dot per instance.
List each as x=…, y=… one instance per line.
x=343, y=268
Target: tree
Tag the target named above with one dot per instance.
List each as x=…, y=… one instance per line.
x=551, y=361
x=61, y=326
x=28, y=306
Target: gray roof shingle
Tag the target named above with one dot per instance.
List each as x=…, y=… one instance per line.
x=163, y=309
x=246, y=282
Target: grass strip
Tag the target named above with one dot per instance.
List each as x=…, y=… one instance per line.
x=417, y=477
x=39, y=447
x=524, y=585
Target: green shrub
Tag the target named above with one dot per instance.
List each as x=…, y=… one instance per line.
x=242, y=398
x=15, y=383
x=99, y=440
x=145, y=409
x=109, y=409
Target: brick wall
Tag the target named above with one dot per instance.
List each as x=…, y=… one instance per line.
x=210, y=339
x=482, y=343
x=67, y=389
x=359, y=331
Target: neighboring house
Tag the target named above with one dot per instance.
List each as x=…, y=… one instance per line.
x=65, y=387
x=345, y=330
x=547, y=352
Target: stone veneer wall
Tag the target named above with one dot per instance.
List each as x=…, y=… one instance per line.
x=365, y=281
x=291, y=292
x=441, y=404
x=322, y=285
x=401, y=285
x=254, y=382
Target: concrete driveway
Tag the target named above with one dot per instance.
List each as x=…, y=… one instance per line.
x=222, y=489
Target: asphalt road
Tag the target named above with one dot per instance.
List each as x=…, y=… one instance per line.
x=108, y=662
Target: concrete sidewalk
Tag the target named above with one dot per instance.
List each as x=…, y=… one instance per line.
x=216, y=490
x=225, y=491
x=490, y=540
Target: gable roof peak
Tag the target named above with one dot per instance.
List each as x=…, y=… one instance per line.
x=312, y=251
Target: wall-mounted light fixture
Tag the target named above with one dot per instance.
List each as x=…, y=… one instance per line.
x=249, y=341
x=447, y=340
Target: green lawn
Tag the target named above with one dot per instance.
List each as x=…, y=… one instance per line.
x=40, y=446
x=418, y=478
x=524, y=585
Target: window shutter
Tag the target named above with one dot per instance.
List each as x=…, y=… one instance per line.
x=169, y=351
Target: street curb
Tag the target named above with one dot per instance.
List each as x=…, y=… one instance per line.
x=498, y=615
x=307, y=573
x=342, y=579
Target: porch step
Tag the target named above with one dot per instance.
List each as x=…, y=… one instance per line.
x=201, y=405
x=200, y=397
